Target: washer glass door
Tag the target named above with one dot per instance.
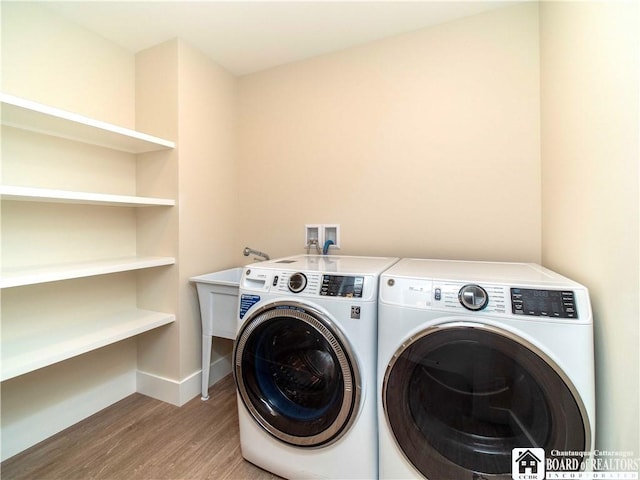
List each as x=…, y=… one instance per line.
x=458, y=398
x=296, y=375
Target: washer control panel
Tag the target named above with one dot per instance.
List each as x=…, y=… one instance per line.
x=359, y=287
x=342, y=286
x=543, y=303
x=348, y=286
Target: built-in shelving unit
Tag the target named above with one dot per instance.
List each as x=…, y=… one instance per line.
x=62, y=335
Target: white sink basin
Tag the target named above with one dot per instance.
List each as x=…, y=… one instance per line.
x=229, y=277
x=218, y=298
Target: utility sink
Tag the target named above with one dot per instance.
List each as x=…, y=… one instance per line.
x=230, y=277
x=218, y=298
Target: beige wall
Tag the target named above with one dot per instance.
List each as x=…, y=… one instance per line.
x=590, y=150
x=207, y=184
x=426, y=144
x=48, y=59
x=186, y=96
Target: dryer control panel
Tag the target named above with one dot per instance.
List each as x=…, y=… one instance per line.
x=543, y=303
x=464, y=297
x=482, y=298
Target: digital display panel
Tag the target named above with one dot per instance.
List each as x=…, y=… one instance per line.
x=543, y=303
x=342, y=286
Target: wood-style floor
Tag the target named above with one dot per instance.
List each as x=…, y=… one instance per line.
x=145, y=439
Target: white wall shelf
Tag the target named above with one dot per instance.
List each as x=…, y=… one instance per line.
x=87, y=271
x=32, y=352
x=18, y=277
x=28, y=115
x=29, y=194
x=24, y=347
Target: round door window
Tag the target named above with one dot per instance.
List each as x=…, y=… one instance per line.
x=459, y=398
x=295, y=375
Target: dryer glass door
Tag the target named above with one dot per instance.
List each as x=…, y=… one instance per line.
x=296, y=374
x=459, y=398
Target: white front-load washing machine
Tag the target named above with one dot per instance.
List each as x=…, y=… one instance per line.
x=477, y=360
x=304, y=362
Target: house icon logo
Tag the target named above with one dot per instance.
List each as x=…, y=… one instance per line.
x=527, y=463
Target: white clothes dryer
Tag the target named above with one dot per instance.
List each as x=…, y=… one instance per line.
x=304, y=362
x=476, y=359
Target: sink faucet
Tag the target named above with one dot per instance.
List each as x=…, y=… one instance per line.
x=249, y=251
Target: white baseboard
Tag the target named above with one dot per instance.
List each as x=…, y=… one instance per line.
x=180, y=392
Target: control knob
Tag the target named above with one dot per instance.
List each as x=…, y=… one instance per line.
x=473, y=297
x=297, y=282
